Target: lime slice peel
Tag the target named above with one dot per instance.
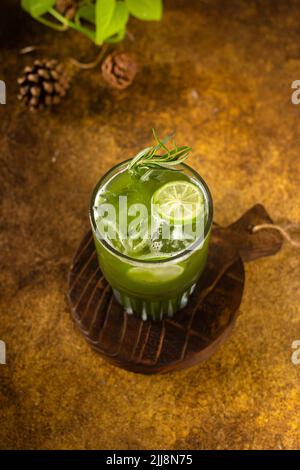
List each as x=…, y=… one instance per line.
x=179, y=201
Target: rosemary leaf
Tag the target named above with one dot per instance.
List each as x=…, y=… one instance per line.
x=148, y=158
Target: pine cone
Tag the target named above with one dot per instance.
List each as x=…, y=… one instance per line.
x=119, y=70
x=43, y=84
x=67, y=8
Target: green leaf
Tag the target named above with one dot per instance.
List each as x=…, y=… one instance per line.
x=37, y=7
x=119, y=36
x=104, y=13
x=86, y=12
x=119, y=19
x=139, y=156
x=147, y=158
x=145, y=9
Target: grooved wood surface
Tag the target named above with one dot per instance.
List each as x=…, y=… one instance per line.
x=219, y=73
x=144, y=346
x=196, y=331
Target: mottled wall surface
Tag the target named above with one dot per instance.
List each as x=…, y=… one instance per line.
x=219, y=73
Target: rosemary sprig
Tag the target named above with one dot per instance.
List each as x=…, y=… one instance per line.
x=149, y=159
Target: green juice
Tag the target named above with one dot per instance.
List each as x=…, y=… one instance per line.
x=151, y=263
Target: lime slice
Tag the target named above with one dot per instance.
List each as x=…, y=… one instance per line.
x=178, y=201
x=157, y=274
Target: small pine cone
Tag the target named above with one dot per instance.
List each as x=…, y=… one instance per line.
x=43, y=84
x=67, y=8
x=119, y=70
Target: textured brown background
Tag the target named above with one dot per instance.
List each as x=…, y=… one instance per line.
x=219, y=73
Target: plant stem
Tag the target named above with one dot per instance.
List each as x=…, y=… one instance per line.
x=90, y=34
x=90, y=65
x=51, y=24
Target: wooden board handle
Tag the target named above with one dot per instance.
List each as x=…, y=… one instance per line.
x=248, y=244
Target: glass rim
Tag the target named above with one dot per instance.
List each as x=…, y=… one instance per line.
x=176, y=257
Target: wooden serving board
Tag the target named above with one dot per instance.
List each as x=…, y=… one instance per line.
x=196, y=331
